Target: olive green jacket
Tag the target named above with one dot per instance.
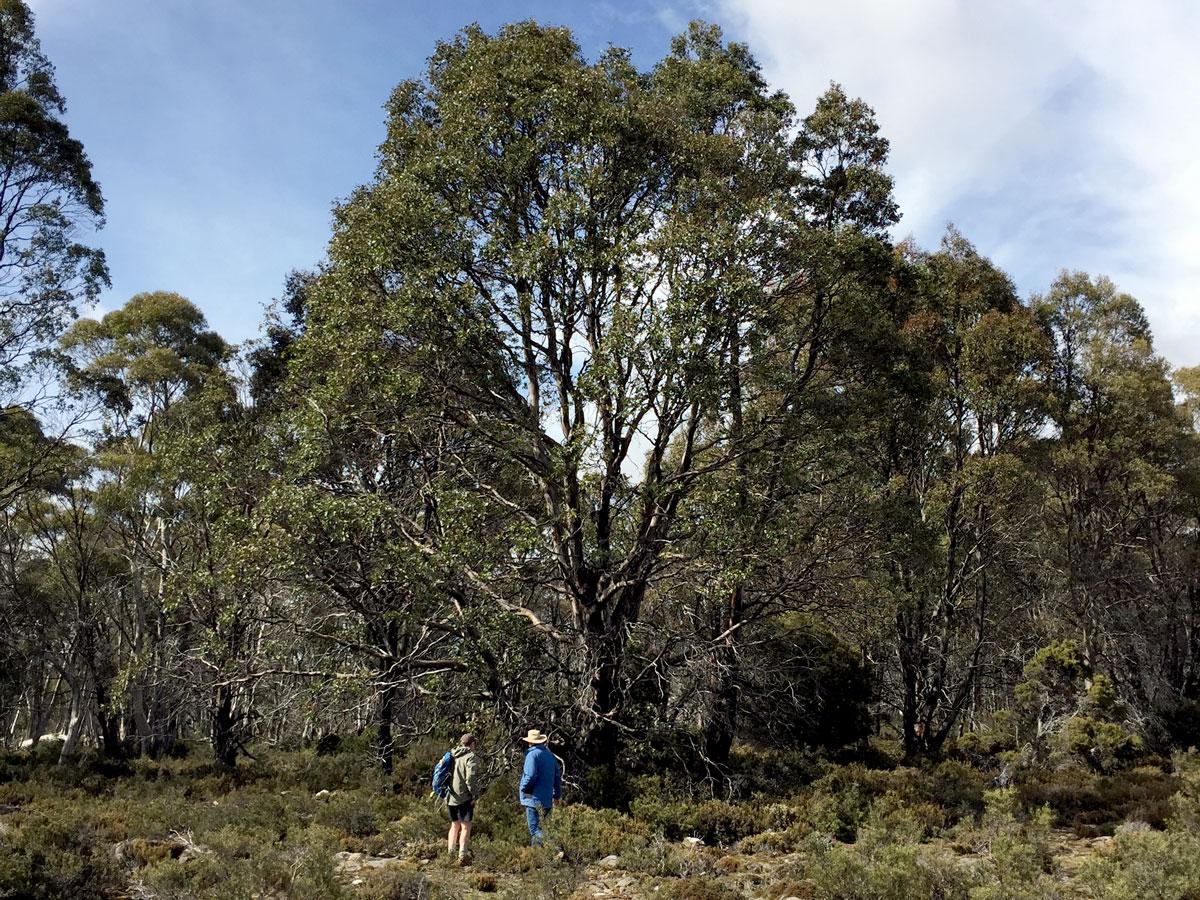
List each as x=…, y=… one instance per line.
x=464, y=783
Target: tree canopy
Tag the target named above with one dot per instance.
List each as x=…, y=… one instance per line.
x=614, y=409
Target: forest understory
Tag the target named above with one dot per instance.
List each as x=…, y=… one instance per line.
x=303, y=824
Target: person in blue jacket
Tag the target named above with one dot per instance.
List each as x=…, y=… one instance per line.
x=541, y=783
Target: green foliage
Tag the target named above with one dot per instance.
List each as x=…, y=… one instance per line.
x=585, y=834
x=999, y=735
x=57, y=855
x=1054, y=675
x=1093, y=804
x=48, y=197
x=883, y=866
x=1146, y=864
x=842, y=801
x=713, y=821
x=1104, y=746
x=349, y=815
x=1018, y=843
x=1185, y=804
x=806, y=688
x=1062, y=704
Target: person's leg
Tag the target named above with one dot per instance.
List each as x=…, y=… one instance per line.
x=453, y=837
x=465, y=815
x=535, y=829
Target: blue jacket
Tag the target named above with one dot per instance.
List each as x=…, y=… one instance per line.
x=541, y=782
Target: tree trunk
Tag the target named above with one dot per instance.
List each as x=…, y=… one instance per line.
x=385, y=742
x=604, y=647
x=224, y=727
x=75, y=723
x=723, y=711
x=389, y=695
x=40, y=710
x=910, y=676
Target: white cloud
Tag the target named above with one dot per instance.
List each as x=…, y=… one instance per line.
x=1056, y=134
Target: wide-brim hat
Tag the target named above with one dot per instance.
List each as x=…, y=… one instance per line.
x=535, y=737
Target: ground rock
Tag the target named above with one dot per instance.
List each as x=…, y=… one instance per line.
x=353, y=864
x=610, y=862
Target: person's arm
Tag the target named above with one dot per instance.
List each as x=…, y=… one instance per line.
x=557, y=778
x=471, y=776
x=529, y=774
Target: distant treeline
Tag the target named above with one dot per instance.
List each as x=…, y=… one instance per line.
x=614, y=409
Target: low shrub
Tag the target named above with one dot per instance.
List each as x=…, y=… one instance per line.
x=1096, y=804
x=49, y=857
x=700, y=889
x=713, y=821
x=1185, y=804
x=585, y=834
x=884, y=866
x=484, y=882
x=395, y=883
x=1146, y=864
x=234, y=865
x=1018, y=842
x=785, y=841
x=658, y=857
x=350, y=814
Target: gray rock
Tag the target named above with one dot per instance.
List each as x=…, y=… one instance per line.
x=610, y=862
x=353, y=864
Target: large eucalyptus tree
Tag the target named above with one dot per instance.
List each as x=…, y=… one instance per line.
x=566, y=261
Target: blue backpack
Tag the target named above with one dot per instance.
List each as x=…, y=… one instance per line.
x=442, y=773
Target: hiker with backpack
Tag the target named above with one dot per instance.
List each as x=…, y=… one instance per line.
x=541, y=784
x=456, y=780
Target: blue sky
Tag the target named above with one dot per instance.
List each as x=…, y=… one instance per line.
x=1054, y=135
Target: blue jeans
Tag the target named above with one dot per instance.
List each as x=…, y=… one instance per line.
x=534, y=817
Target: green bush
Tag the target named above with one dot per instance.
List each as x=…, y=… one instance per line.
x=997, y=735
x=350, y=814
x=884, y=867
x=57, y=857
x=1094, y=804
x=1146, y=864
x=1018, y=842
x=772, y=773
x=656, y=857
x=1185, y=805
x=585, y=834
x=235, y=865
x=394, y=883
x=713, y=821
